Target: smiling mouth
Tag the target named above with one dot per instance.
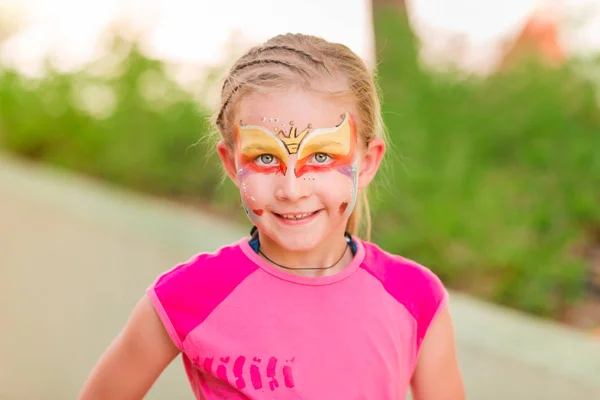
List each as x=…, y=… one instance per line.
x=296, y=216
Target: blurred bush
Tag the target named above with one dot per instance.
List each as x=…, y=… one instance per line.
x=496, y=182
x=122, y=119
x=493, y=183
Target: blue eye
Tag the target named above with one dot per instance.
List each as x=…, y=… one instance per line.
x=266, y=159
x=321, y=158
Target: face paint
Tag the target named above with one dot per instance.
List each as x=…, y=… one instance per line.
x=254, y=142
x=335, y=147
x=338, y=145
x=254, y=213
x=324, y=158
x=353, y=187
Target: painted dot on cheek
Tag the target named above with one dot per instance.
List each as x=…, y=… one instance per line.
x=258, y=212
x=343, y=207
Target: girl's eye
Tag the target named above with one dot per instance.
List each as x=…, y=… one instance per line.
x=321, y=158
x=266, y=159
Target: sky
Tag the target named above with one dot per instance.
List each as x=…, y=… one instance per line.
x=484, y=27
x=186, y=31
x=198, y=32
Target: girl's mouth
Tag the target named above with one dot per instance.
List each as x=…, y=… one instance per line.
x=297, y=218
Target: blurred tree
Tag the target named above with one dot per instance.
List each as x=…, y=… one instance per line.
x=401, y=4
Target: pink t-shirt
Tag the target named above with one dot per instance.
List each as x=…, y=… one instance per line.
x=248, y=330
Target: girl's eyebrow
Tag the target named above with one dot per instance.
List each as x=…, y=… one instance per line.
x=256, y=147
x=328, y=146
x=323, y=144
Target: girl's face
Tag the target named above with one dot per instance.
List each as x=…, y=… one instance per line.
x=297, y=162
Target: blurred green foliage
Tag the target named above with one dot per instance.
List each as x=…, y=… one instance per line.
x=133, y=126
x=492, y=183
x=499, y=187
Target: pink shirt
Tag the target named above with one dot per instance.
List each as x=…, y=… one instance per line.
x=248, y=330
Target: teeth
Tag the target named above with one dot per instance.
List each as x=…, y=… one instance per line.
x=295, y=216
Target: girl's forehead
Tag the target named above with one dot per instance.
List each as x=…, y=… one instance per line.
x=282, y=109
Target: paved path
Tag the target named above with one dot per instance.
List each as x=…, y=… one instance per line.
x=75, y=256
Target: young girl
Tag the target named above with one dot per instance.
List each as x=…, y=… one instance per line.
x=303, y=308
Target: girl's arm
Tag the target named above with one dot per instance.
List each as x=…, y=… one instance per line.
x=437, y=375
x=134, y=360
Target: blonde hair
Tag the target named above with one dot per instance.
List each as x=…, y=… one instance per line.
x=309, y=62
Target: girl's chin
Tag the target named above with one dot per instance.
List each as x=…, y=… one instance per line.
x=301, y=241
x=293, y=241
x=297, y=244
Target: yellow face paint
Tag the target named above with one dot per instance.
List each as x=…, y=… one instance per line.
x=339, y=143
x=254, y=141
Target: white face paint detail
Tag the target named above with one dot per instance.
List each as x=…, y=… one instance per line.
x=353, y=188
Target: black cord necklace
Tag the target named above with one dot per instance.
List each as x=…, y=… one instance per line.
x=306, y=269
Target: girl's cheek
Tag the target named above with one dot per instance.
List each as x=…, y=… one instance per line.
x=254, y=190
x=334, y=187
x=338, y=188
x=343, y=207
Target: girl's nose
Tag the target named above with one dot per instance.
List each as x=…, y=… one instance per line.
x=293, y=188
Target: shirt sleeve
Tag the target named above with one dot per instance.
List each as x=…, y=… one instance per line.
x=189, y=293
x=178, y=296
x=416, y=287
x=163, y=294
x=432, y=299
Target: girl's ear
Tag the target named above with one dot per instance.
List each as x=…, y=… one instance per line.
x=370, y=160
x=228, y=159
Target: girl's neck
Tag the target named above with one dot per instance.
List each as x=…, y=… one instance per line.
x=310, y=263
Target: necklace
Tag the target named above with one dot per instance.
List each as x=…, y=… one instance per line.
x=306, y=269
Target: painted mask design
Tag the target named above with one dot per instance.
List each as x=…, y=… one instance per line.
x=309, y=154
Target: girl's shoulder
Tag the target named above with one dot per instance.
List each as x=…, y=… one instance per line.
x=415, y=286
x=204, y=266
x=395, y=270
x=187, y=293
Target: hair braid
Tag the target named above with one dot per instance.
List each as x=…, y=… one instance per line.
x=245, y=65
x=265, y=76
x=290, y=49
x=241, y=66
